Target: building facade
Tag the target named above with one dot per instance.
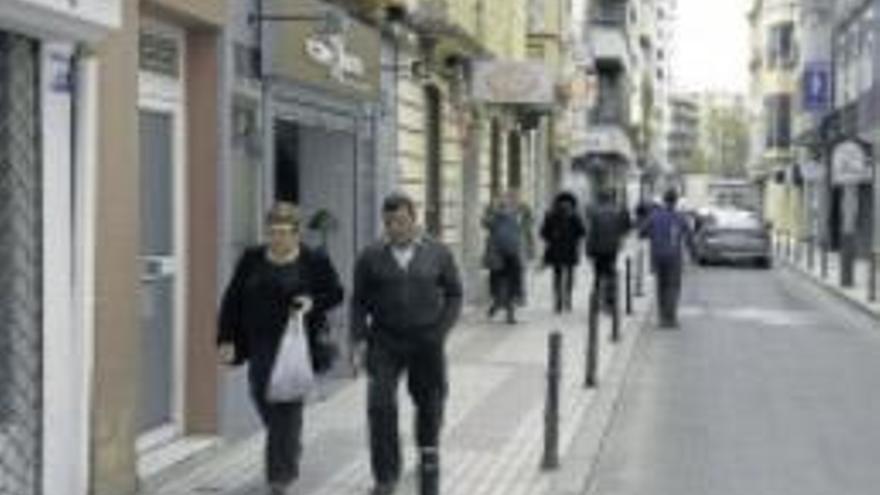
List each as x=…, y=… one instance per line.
x=684, y=133
x=156, y=230
x=48, y=176
x=775, y=30
x=605, y=153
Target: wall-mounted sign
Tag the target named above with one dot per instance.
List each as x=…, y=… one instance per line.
x=816, y=88
x=332, y=51
x=850, y=163
x=513, y=82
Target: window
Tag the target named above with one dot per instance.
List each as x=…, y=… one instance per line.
x=866, y=63
x=777, y=117
x=781, y=46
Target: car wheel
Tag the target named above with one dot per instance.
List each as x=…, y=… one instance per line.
x=765, y=263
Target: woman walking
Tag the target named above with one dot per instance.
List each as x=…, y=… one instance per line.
x=270, y=282
x=562, y=232
x=503, y=256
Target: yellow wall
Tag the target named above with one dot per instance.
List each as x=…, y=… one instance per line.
x=505, y=28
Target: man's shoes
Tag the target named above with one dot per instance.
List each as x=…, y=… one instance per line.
x=387, y=488
x=429, y=472
x=511, y=318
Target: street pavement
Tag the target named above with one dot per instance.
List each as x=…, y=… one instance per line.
x=769, y=388
x=493, y=437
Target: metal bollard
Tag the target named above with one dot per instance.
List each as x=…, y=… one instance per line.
x=615, y=310
x=592, y=350
x=551, y=407
x=629, y=294
x=823, y=260
x=872, y=278
x=640, y=273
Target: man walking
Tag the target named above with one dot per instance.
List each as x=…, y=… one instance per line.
x=668, y=231
x=608, y=225
x=407, y=297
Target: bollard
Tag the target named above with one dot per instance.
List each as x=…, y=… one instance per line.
x=823, y=260
x=629, y=295
x=615, y=308
x=872, y=278
x=640, y=273
x=551, y=407
x=592, y=349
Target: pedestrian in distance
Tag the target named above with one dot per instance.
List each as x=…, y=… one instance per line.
x=407, y=298
x=562, y=231
x=526, y=219
x=607, y=226
x=504, y=256
x=669, y=233
x=269, y=282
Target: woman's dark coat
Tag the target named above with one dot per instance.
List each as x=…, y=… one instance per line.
x=256, y=305
x=562, y=232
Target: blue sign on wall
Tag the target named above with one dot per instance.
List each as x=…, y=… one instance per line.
x=817, y=87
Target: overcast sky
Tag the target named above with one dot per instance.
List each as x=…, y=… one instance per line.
x=711, y=45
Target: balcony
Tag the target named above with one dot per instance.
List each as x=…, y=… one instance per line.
x=610, y=46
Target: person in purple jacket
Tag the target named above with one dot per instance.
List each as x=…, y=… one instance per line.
x=668, y=232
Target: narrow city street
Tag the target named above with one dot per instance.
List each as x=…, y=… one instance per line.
x=766, y=390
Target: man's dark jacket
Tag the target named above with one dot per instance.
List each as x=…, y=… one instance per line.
x=608, y=225
x=405, y=309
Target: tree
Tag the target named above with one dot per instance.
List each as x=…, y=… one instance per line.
x=724, y=144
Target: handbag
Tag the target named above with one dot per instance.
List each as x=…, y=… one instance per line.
x=324, y=350
x=293, y=376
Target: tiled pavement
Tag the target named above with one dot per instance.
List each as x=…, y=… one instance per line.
x=493, y=438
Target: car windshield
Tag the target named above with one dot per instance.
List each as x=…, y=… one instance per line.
x=735, y=220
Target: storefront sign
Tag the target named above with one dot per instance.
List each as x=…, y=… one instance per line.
x=513, y=82
x=332, y=53
x=340, y=53
x=850, y=163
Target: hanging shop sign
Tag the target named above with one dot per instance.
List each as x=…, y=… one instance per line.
x=850, y=163
x=513, y=82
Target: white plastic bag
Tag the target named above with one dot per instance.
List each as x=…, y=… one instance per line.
x=292, y=376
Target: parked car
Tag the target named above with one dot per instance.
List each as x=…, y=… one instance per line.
x=732, y=235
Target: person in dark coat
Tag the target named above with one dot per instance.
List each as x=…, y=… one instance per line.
x=562, y=231
x=407, y=298
x=669, y=233
x=607, y=227
x=269, y=282
x=504, y=255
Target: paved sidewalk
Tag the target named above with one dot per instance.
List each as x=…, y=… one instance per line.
x=493, y=438
x=797, y=260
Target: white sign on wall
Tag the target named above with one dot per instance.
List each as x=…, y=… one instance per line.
x=850, y=164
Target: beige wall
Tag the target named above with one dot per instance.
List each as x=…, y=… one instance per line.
x=203, y=114
x=117, y=306
x=116, y=277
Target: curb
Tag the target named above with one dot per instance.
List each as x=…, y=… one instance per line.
x=832, y=290
x=581, y=460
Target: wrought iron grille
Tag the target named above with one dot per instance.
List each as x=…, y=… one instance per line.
x=20, y=268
